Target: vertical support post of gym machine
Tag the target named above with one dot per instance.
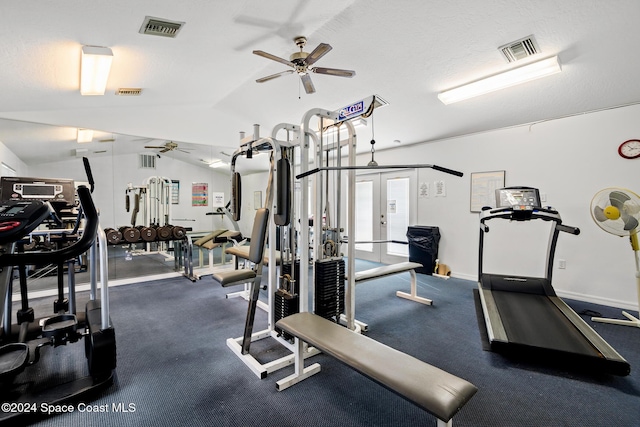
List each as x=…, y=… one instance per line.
x=273, y=276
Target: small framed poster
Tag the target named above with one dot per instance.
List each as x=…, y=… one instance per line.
x=483, y=189
x=199, y=194
x=175, y=192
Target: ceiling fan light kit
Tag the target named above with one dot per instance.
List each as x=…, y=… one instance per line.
x=301, y=62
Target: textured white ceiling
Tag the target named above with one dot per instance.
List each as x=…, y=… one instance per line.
x=200, y=87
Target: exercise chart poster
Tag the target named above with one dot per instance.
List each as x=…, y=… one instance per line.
x=199, y=194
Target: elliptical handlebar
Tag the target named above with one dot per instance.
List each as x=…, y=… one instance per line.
x=82, y=245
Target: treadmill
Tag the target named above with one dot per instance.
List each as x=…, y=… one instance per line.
x=523, y=315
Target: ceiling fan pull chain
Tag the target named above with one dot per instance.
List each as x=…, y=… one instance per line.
x=373, y=146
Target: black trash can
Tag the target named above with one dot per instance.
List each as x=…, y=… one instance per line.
x=423, y=246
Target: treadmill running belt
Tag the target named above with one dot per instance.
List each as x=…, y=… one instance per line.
x=533, y=320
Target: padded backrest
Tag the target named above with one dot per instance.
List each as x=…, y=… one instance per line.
x=283, y=202
x=258, y=235
x=236, y=196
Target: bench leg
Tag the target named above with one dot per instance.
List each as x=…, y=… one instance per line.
x=301, y=373
x=413, y=296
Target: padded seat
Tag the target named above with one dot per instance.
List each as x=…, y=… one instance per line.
x=385, y=270
x=434, y=390
x=243, y=253
x=234, y=277
x=207, y=241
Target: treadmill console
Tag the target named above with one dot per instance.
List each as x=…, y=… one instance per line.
x=518, y=198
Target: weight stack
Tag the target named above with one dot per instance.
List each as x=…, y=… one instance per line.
x=287, y=301
x=285, y=304
x=329, y=288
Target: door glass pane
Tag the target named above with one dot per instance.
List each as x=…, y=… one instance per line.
x=397, y=215
x=364, y=215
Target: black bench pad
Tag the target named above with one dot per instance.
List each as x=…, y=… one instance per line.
x=434, y=390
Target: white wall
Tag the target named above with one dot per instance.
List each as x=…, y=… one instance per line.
x=8, y=158
x=569, y=160
x=112, y=174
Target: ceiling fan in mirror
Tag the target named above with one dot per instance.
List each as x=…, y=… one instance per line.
x=168, y=146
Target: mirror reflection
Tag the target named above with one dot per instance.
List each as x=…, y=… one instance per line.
x=153, y=195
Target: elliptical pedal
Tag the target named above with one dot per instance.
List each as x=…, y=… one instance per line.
x=13, y=359
x=60, y=327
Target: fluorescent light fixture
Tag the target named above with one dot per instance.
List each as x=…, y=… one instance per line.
x=217, y=163
x=94, y=69
x=84, y=135
x=515, y=76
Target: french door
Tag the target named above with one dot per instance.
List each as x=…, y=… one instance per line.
x=385, y=206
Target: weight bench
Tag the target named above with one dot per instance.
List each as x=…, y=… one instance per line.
x=388, y=270
x=216, y=239
x=432, y=389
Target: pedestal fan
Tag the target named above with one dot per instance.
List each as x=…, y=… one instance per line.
x=617, y=211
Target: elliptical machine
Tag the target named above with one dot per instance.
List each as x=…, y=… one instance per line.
x=21, y=344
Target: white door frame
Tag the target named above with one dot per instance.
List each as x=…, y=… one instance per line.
x=379, y=252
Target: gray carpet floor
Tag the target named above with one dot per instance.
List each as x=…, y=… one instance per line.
x=175, y=369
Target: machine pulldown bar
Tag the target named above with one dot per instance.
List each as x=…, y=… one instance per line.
x=335, y=168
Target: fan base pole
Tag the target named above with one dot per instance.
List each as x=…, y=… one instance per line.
x=633, y=321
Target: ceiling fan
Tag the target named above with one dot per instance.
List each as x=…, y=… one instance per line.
x=168, y=146
x=301, y=62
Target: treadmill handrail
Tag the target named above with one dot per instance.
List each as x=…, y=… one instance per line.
x=508, y=213
x=61, y=255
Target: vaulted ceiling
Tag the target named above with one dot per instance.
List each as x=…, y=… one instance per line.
x=200, y=90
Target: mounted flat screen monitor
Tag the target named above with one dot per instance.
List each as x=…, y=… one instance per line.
x=523, y=198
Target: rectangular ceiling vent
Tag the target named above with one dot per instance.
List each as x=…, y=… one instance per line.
x=147, y=161
x=519, y=49
x=129, y=91
x=160, y=27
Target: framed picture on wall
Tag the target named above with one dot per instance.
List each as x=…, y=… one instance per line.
x=199, y=194
x=483, y=188
x=175, y=191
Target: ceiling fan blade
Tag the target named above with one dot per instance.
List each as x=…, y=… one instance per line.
x=317, y=53
x=273, y=76
x=307, y=83
x=334, y=72
x=617, y=199
x=153, y=146
x=274, y=58
x=165, y=150
x=256, y=22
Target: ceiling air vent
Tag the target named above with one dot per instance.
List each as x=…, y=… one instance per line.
x=519, y=49
x=147, y=161
x=160, y=27
x=129, y=91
